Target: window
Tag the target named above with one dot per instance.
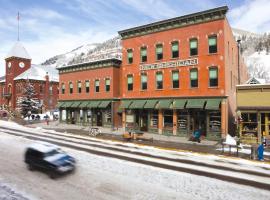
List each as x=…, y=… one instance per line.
x=168, y=119
x=214, y=121
x=143, y=54
x=107, y=84
x=213, y=77
x=40, y=88
x=51, y=89
x=97, y=85
x=130, y=56
x=63, y=88
x=70, y=87
x=144, y=81
x=159, y=80
x=79, y=87
x=159, y=52
x=154, y=119
x=175, y=49
x=87, y=86
x=175, y=79
x=212, y=43
x=130, y=82
x=193, y=78
x=193, y=43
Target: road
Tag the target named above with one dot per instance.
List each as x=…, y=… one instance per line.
x=100, y=176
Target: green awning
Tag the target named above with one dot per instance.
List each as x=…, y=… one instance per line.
x=212, y=104
x=68, y=104
x=93, y=104
x=75, y=104
x=84, y=104
x=125, y=104
x=104, y=104
x=60, y=104
x=195, y=103
x=150, y=104
x=179, y=103
x=137, y=104
x=164, y=104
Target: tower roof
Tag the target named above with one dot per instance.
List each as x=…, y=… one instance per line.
x=18, y=51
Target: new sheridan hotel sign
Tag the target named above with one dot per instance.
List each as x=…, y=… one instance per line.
x=177, y=63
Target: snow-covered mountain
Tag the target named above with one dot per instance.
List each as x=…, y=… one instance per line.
x=90, y=52
x=254, y=48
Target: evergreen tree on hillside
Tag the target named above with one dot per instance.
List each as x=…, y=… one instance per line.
x=28, y=103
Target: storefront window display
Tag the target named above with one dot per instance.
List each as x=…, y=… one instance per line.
x=249, y=125
x=154, y=119
x=214, y=121
x=168, y=119
x=182, y=121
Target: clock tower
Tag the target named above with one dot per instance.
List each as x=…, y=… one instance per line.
x=17, y=62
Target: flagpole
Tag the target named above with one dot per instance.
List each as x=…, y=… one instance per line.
x=18, y=18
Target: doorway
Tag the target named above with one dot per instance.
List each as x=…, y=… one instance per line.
x=144, y=121
x=198, y=121
x=99, y=118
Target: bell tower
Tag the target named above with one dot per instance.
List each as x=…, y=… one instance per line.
x=17, y=62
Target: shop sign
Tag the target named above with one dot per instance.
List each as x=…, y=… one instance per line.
x=129, y=118
x=177, y=63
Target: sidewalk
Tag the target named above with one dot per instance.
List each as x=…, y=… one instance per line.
x=159, y=141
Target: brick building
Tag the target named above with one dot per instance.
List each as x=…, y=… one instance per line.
x=20, y=71
x=175, y=76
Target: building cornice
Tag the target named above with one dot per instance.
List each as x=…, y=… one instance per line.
x=112, y=62
x=177, y=22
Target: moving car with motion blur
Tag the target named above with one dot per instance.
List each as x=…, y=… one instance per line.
x=49, y=158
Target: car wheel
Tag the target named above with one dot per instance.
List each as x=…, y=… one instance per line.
x=53, y=175
x=30, y=167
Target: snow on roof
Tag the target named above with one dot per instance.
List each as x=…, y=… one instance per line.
x=38, y=72
x=43, y=147
x=18, y=51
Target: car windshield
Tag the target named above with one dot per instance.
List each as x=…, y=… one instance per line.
x=51, y=153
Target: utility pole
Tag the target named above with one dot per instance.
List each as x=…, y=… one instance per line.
x=238, y=48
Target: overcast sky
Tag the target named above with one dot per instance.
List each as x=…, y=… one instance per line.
x=52, y=27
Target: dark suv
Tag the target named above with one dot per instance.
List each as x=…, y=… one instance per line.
x=48, y=158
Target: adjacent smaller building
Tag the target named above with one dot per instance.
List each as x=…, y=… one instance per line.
x=253, y=108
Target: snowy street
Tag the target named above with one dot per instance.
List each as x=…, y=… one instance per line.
x=98, y=177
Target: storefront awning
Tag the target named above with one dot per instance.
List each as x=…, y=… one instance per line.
x=125, y=104
x=179, y=103
x=75, y=104
x=150, y=104
x=212, y=104
x=137, y=104
x=60, y=104
x=104, y=104
x=93, y=104
x=164, y=104
x=68, y=104
x=195, y=103
x=84, y=104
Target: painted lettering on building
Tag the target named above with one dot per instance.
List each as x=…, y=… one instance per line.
x=177, y=63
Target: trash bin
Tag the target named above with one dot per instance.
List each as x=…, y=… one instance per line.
x=253, y=154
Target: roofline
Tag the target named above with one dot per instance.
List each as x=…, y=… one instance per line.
x=177, y=21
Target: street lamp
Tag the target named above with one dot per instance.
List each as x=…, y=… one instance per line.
x=238, y=48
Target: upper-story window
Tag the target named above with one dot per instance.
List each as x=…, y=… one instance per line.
x=159, y=51
x=143, y=54
x=97, y=85
x=159, y=80
x=213, y=77
x=107, y=84
x=130, y=56
x=212, y=43
x=63, y=88
x=175, y=49
x=51, y=89
x=175, y=79
x=193, y=45
x=87, y=86
x=143, y=81
x=194, y=78
x=130, y=82
x=70, y=87
x=79, y=87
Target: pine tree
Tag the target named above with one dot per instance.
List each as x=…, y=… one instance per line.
x=27, y=103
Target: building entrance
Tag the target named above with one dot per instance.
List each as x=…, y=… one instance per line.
x=198, y=121
x=99, y=118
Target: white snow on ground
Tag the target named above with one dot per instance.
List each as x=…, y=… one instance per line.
x=99, y=177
